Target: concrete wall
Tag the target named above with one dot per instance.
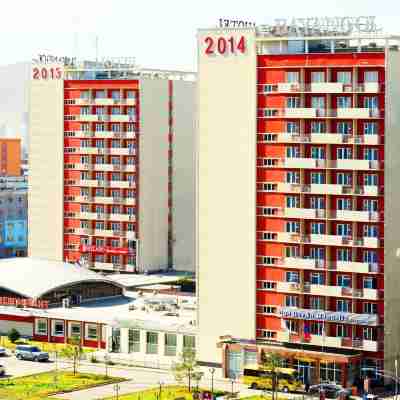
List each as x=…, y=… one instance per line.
x=153, y=174
x=392, y=210
x=226, y=193
x=184, y=185
x=46, y=170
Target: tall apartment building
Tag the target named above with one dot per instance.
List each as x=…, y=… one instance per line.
x=111, y=167
x=298, y=220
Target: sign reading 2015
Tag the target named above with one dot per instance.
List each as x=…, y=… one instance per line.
x=222, y=45
x=46, y=73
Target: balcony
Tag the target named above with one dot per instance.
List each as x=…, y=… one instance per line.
x=287, y=287
x=122, y=184
x=353, y=164
x=323, y=87
x=308, y=112
x=122, y=217
x=103, y=266
x=100, y=134
x=122, y=118
x=88, y=117
x=359, y=267
x=358, y=216
x=122, y=151
x=325, y=138
x=105, y=233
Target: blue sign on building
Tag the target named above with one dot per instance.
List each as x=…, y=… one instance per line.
x=14, y=234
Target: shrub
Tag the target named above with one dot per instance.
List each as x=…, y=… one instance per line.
x=13, y=335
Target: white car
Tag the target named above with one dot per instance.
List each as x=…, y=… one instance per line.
x=3, y=351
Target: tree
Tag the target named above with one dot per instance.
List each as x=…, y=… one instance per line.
x=13, y=335
x=186, y=368
x=73, y=351
x=271, y=362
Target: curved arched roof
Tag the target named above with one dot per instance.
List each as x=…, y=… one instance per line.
x=34, y=277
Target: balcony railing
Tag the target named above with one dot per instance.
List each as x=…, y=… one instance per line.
x=308, y=112
x=320, y=87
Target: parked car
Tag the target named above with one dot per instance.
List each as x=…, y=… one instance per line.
x=331, y=390
x=33, y=353
x=2, y=370
x=3, y=352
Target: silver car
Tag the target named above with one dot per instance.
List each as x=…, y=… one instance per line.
x=32, y=353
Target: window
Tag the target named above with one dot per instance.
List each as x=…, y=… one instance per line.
x=130, y=94
x=317, y=153
x=370, y=308
x=317, y=328
x=291, y=301
x=91, y=332
x=343, y=178
x=318, y=127
x=269, y=309
x=41, y=326
x=368, y=333
x=317, y=303
x=293, y=102
x=370, y=179
x=370, y=205
x=318, y=102
x=292, y=227
x=343, y=305
x=170, y=344
x=130, y=127
x=84, y=110
x=84, y=94
x=100, y=111
x=99, y=144
x=292, y=325
x=370, y=256
x=75, y=330
x=292, y=251
x=344, y=153
x=343, y=102
x=115, y=111
x=343, y=230
x=133, y=341
x=84, y=127
x=100, y=94
x=292, y=76
x=317, y=178
x=342, y=331
x=371, y=76
x=292, y=127
x=268, y=285
x=268, y=334
x=344, y=281
x=343, y=204
x=369, y=282
x=318, y=228
x=317, y=76
x=370, y=128
x=115, y=144
x=317, y=253
x=131, y=111
x=371, y=102
x=371, y=231
x=292, y=201
x=317, y=203
x=292, y=276
x=292, y=177
x=371, y=154
x=292, y=152
x=57, y=328
x=317, y=278
x=100, y=127
x=343, y=128
x=344, y=77
x=343, y=254
x=189, y=342
x=115, y=128
x=115, y=94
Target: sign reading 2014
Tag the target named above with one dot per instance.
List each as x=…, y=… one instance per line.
x=224, y=45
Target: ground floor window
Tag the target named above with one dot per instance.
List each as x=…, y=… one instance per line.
x=91, y=332
x=41, y=326
x=58, y=328
x=151, y=342
x=189, y=342
x=133, y=341
x=116, y=340
x=170, y=344
x=75, y=329
x=330, y=372
x=235, y=364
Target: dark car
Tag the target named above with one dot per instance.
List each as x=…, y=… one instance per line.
x=33, y=353
x=331, y=391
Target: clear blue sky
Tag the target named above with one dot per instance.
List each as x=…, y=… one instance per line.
x=159, y=33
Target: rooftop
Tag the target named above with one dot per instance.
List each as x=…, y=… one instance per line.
x=135, y=310
x=33, y=277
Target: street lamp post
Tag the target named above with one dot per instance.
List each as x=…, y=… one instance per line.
x=116, y=390
x=212, y=371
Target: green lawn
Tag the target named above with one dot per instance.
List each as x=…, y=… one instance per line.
x=167, y=393
x=39, y=386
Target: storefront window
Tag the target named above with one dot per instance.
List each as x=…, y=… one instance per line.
x=41, y=326
x=330, y=372
x=116, y=340
x=189, y=342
